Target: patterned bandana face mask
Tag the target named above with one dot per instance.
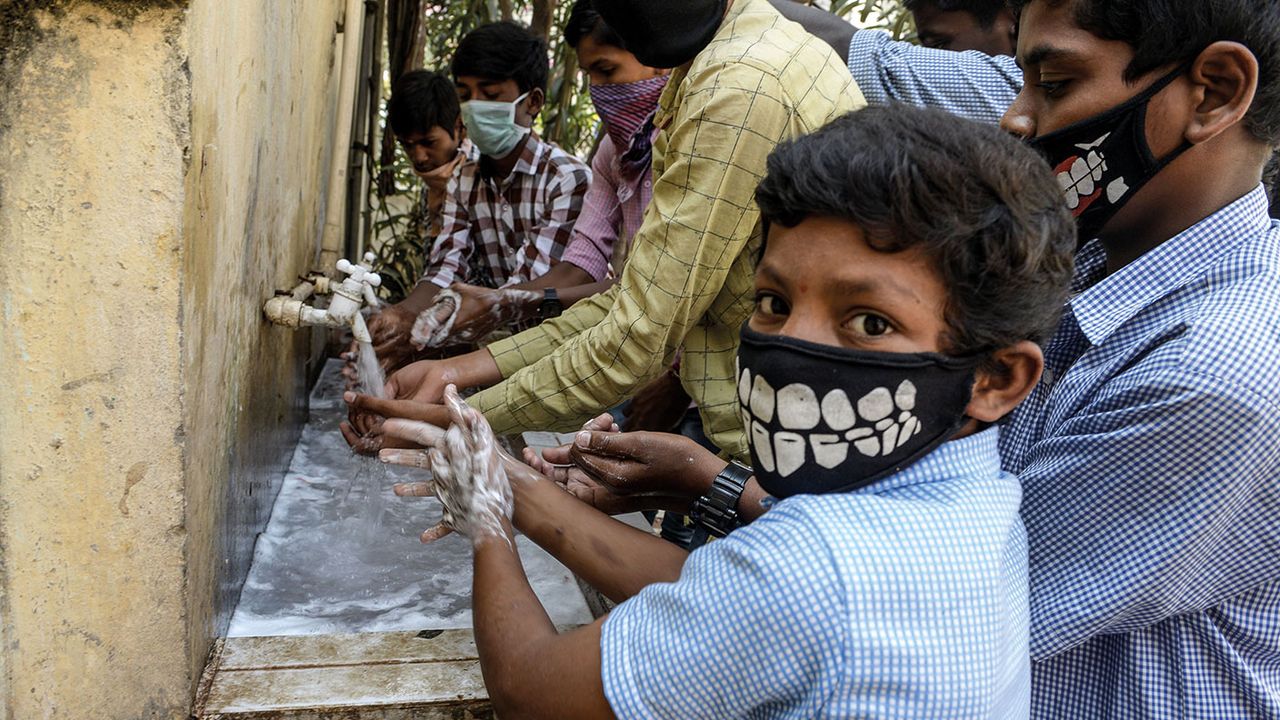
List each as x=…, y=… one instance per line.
x=824, y=419
x=492, y=126
x=625, y=108
x=1103, y=160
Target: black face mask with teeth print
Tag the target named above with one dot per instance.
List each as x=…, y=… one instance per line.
x=1103, y=160
x=822, y=419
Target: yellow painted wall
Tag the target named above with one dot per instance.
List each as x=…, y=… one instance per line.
x=263, y=79
x=162, y=170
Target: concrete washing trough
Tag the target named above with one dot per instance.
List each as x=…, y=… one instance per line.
x=345, y=614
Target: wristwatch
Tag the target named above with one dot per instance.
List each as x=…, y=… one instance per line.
x=717, y=511
x=550, y=306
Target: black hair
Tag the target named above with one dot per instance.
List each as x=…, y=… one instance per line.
x=584, y=21
x=503, y=50
x=982, y=206
x=1165, y=32
x=984, y=11
x=421, y=100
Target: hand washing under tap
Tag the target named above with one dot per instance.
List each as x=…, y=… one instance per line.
x=354, y=292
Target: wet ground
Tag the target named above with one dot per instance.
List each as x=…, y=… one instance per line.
x=341, y=552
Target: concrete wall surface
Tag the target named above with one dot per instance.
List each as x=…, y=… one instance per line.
x=163, y=168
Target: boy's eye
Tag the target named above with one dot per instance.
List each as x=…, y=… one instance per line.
x=870, y=325
x=1052, y=88
x=771, y=305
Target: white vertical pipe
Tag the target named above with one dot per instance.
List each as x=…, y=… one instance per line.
x=335, y=207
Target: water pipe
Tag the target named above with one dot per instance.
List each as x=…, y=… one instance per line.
x=349, y=297
x=335, y=210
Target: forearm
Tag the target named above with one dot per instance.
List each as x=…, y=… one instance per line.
x=572, y=295
x=521, y=653
x=423, y=294
x=613, y=557
x=475, y=369
x=562, y=275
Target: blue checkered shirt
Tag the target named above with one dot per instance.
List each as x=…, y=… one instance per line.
x=1150, y=456
x=969, y=84
x=906, y=599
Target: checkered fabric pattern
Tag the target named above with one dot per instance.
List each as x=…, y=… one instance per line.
x=969, y=84
x=689, y=278
x=510, y=231
x=427, y=219
x=613, y=210
x=1150, y=459
x=905, y=599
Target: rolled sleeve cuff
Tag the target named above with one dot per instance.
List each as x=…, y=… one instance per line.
x=584, y=253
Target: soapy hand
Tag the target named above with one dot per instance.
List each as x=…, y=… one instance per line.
x=469, y=477
x=646, y=463
x=466, y=313
x=433, y=325
x=390, y=328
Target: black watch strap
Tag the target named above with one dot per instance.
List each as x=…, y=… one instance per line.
x=717, y=511
x=550, y=306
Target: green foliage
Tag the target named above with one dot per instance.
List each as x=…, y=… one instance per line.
x=568, y=118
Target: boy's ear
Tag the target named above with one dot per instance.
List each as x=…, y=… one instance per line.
x=1005, y=380
x=533, y=103
x=1225, y=76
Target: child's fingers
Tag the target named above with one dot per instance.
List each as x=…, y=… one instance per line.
x=407, y=458
x=435, y=532
x=417, y=489
x=415, y=431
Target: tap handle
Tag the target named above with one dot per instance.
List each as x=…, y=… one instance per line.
x=359, y=273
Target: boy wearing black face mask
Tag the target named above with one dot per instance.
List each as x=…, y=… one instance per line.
x=1149, y=452
x=911, y=264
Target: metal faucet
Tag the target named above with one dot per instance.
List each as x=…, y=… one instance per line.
x=353, y=293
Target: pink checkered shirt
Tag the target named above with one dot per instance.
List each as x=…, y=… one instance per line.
x=614, y=209
x=510, y=231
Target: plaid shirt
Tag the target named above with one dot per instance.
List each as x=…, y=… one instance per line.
x=689, y=278
x=613, y=210
x=426, y=219
x=1151, y=466
x=509, y=231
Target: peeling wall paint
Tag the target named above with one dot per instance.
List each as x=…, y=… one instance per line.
x=162, y=170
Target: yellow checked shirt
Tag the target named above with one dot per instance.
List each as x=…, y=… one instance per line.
x=688, y=280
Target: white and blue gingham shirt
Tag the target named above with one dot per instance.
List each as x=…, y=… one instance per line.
x=1150, y=455
x=905, y=599
x=1152, y=465
x=969, y=84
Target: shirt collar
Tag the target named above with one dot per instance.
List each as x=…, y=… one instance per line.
x=470, y=153
x=977, y=455
x=1105, y=303
x=526, y=164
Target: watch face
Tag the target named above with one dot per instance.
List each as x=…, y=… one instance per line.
x=550, y=309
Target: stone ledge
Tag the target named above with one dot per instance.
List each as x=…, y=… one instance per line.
x=382, y=676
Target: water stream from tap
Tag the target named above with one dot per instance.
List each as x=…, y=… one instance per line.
x=371, y=478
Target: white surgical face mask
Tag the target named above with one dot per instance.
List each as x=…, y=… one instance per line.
x=492, y=126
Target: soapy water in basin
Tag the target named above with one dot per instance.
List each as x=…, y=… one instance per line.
x=341, y=552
